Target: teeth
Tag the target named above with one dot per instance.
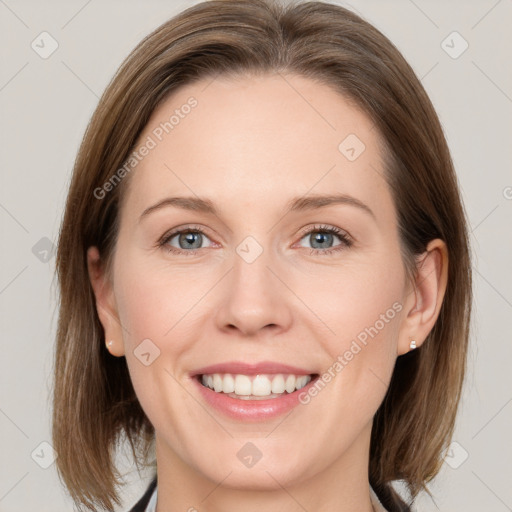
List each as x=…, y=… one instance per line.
x=278, y=384
x=290, y=384
x=242, y=385
x=249, y=387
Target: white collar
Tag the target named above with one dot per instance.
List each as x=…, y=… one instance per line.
x=377, y=505
x=152, y=502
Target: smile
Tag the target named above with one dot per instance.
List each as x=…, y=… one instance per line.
x=254, y=387
x=252, y=392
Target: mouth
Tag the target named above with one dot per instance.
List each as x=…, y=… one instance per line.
x=252, y=392
x=255, y=387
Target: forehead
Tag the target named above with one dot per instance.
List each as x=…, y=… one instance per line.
x=256, y=138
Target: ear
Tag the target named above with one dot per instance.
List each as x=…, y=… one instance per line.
x=425, y=296
x=105, y=302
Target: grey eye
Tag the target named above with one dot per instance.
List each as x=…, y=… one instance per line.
x=187, y=240
x=321, y=239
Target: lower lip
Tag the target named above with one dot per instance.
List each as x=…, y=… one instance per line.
x=252, y=410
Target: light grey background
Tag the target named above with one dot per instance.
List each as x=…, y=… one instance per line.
x=45, y=106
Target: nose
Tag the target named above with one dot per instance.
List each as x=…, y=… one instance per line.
x=254, y=298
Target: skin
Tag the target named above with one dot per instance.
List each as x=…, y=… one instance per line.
x=250, y=146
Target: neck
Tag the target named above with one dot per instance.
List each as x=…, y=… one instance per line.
x=341, y=486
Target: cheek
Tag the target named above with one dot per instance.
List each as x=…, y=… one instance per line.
x=361, y=305
x=356, y=300
x=156, y=306
x=162, y=311
x=156, y=300
x=365, y=317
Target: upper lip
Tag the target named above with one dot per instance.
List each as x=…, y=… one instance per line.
x=238, y=367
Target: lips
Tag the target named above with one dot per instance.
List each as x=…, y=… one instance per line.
x=264, y=367
x=251, y=398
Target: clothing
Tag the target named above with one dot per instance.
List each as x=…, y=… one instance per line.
x=148, y=502
x=377, y=505
x=142, y=504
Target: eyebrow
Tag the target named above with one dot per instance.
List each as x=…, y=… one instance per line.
x=305, y=203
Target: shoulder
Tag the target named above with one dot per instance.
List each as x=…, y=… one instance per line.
x=141, y=505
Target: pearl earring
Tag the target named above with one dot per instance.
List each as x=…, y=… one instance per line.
x=412, y=345
x=109, y=344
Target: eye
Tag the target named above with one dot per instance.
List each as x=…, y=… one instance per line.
x=322, y=237
x=189, y=240
x=184, y=241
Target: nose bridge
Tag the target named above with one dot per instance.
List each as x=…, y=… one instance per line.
x=250, y=266
x=253, y=296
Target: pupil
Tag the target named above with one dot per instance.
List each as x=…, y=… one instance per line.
x=322, y=238
x=190, y=238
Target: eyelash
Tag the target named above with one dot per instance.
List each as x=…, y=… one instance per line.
x=346, y=241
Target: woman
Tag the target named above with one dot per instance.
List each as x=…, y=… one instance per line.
x=264, y=270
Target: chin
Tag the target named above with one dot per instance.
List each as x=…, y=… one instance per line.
x=256, y=480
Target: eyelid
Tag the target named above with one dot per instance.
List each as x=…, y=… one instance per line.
x=180, y=230
x=325, y=227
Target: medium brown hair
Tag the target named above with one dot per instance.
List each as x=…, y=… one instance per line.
x=94, y=404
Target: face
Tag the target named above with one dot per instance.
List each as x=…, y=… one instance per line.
x=250, y=278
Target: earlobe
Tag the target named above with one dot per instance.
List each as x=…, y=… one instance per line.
x=105, y=303
x=424, y=302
